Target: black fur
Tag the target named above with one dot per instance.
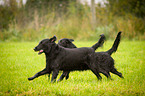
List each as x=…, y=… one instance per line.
x=67, y=43
x=65, y=59
x=95, y=46
x=115, y=45
x=102, y=59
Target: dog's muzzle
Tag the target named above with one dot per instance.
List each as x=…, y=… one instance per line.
x=40, y=51
x=35, y=49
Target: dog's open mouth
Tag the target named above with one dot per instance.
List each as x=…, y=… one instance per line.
x=40, y=52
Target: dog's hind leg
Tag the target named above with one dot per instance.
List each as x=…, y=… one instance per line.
x=96, y=73
x=67, y=75
x=107, y=74
x=54, y=75
x=114, y=71
x=44, y=71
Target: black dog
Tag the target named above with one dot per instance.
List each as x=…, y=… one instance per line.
x=68, y=42
x=103, y=59
x=66, y=59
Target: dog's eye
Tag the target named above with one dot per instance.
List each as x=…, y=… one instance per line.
x=40, y=42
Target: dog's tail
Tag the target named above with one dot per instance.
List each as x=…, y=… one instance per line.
x=100, y=42
x=115, y=45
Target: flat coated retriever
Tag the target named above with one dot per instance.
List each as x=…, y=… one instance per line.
x=103, y=59
x=66, y=59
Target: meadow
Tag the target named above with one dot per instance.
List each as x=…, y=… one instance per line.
x=18, y=61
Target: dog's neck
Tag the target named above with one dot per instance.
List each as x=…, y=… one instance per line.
x=54, y=51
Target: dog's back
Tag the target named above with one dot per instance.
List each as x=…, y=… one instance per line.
x=73, y=59
x=67, y=43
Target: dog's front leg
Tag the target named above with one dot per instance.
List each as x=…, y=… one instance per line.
x=54, y=75
x=49, y=72
x=44, y=71
x=64, y=74
x=48, y=76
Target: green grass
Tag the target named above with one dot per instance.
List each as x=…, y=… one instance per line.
x=18, y=61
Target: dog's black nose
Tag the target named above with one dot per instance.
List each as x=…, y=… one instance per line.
x=35, y=48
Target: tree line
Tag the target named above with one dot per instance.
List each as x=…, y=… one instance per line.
x=70, y=18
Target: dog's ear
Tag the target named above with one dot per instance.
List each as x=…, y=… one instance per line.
x=71, y=40
x=53, y=39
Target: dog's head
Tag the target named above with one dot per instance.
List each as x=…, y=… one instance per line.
x=45, y=45
x=67, y=43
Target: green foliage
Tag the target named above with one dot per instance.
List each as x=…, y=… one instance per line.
x=121, y=7
x=19, y=61
x=65, y=18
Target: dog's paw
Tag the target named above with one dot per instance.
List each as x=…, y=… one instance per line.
x=122, y=77
x=30, y=78
x=59, y=80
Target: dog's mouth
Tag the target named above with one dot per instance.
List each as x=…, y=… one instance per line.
x=41, y=51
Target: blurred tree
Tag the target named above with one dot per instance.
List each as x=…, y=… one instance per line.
x=93, y=13
x=45, y=6
x=120, y=7
x=8, y=12
x=43, y=15
x=21, y=4
x=13, y=6
x=39, y=4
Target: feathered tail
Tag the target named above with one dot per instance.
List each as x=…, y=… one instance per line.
x=115, y=45
x=99, y=43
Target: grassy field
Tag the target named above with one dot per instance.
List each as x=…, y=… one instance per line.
x=18, y=61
